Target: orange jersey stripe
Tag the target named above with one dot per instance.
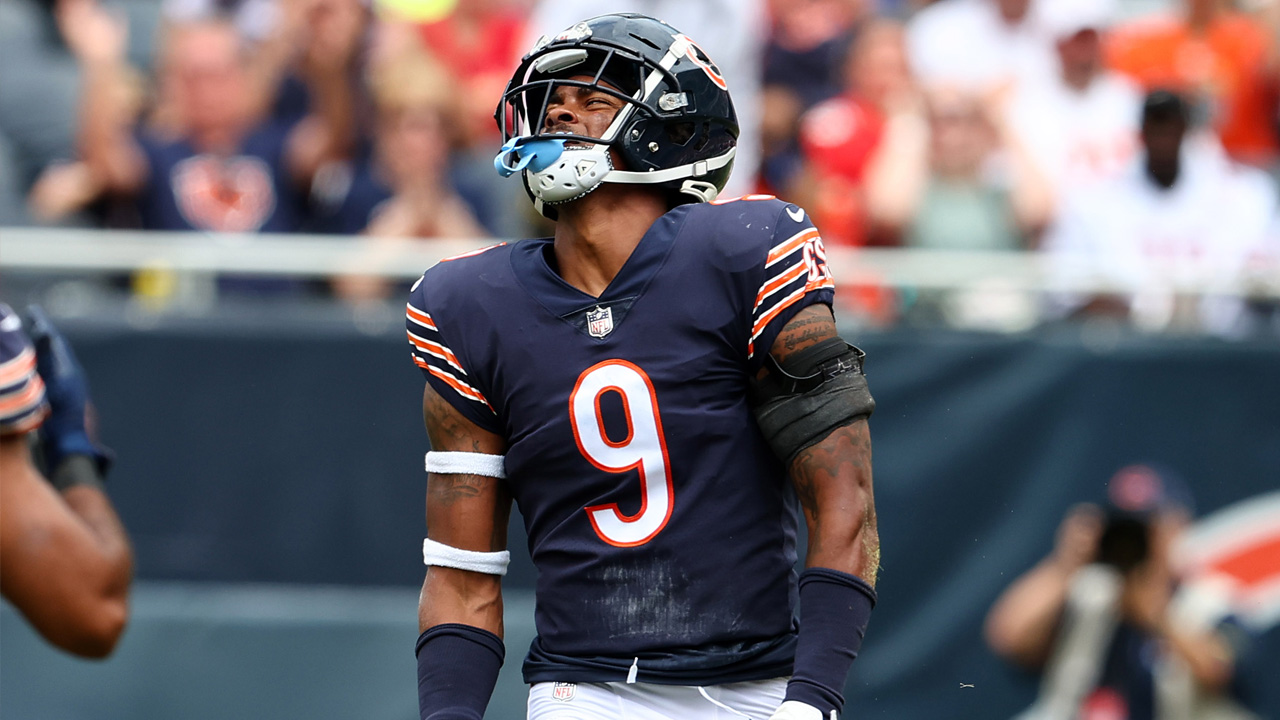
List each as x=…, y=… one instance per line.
x=764, y=320
x=420, y=317
x=789, y=246
x=463, y=389
x=786, y=278
x=18, y=368
x=441, y=351
x=821, y=284
x=28, y=398
x=28, y=424
x=459, y=256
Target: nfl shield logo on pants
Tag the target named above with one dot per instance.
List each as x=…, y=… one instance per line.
x=563, y=691
x=600, y=322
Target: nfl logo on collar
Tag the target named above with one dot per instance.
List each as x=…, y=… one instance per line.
x=599, y=322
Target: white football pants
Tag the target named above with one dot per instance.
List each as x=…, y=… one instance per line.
x=756, y=700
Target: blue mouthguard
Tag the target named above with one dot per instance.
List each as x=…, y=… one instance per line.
x=534, y=153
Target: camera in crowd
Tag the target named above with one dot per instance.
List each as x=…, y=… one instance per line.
x=1136, y=495
x=1125, y=541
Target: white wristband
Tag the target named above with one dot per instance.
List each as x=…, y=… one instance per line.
x=466, y=463
x=487, y=563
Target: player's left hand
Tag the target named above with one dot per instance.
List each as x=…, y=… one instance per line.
x=66, y=431
x=795, y=710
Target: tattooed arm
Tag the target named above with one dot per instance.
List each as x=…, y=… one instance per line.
x=833, y=477
x=469, y=512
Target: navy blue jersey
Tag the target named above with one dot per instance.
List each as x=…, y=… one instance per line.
x=22, y=402
x=247, y=192
x=661, y=524
x=346, y=197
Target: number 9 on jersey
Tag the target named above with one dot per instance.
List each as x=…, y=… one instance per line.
x=644, y=449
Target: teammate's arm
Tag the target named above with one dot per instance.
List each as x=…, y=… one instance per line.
x=66, y=558
x=813, y=410
x=460, y=611
x=67, y=561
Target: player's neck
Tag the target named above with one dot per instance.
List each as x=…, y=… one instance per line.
x=596, y=235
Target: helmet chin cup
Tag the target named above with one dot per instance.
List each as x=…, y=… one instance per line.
x=576, y=172
x=532, y=153
x=702, y=191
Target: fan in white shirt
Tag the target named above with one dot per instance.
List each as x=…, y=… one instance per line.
x=1082, y=126
x=1171, y=232
x=979, y=45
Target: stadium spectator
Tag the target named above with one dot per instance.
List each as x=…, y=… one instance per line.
x=67, y=563
x=218, y=164
x=1222, y=60
x=936, y=181
x=1100, y=617
x=257, y=20
x=477, y=41
x=981, y=44
x=403, y=190
x=69, y=191
x=1178, y=221
x=804, y=64
x=808, y=46
x=1082, y=126
x=839, y=137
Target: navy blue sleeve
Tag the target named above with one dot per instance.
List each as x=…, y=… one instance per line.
x=440, y=364
x=792, y=275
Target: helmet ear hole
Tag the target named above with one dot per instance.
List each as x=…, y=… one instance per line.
x=704, y=137
x=679, y=133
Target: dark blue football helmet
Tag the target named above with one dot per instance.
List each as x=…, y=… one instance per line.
x=676, y=130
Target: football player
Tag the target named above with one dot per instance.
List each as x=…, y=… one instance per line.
x=66, y=561
x=657, y=387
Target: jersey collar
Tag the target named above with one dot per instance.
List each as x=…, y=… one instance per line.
x=529, y=262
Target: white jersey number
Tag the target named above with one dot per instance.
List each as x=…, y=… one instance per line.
x=644, y=449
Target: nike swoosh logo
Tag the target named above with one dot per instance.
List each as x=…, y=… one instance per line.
x=797, y=214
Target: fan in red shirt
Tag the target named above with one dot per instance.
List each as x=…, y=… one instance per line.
x=839, y=138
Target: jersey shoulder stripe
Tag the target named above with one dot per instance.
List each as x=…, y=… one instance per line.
x=780, y=252
x=794, y=273
x=22, y=398
x=439, y=304
x=473, y=253
x=435, y=358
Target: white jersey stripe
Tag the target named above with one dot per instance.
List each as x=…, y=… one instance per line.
x=790, y=245
x=419, y=317
x=437, y=350
x=449, y=379
x=777, y=307
x=791, y=275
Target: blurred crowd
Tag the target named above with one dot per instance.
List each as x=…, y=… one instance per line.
x=1133, y=140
